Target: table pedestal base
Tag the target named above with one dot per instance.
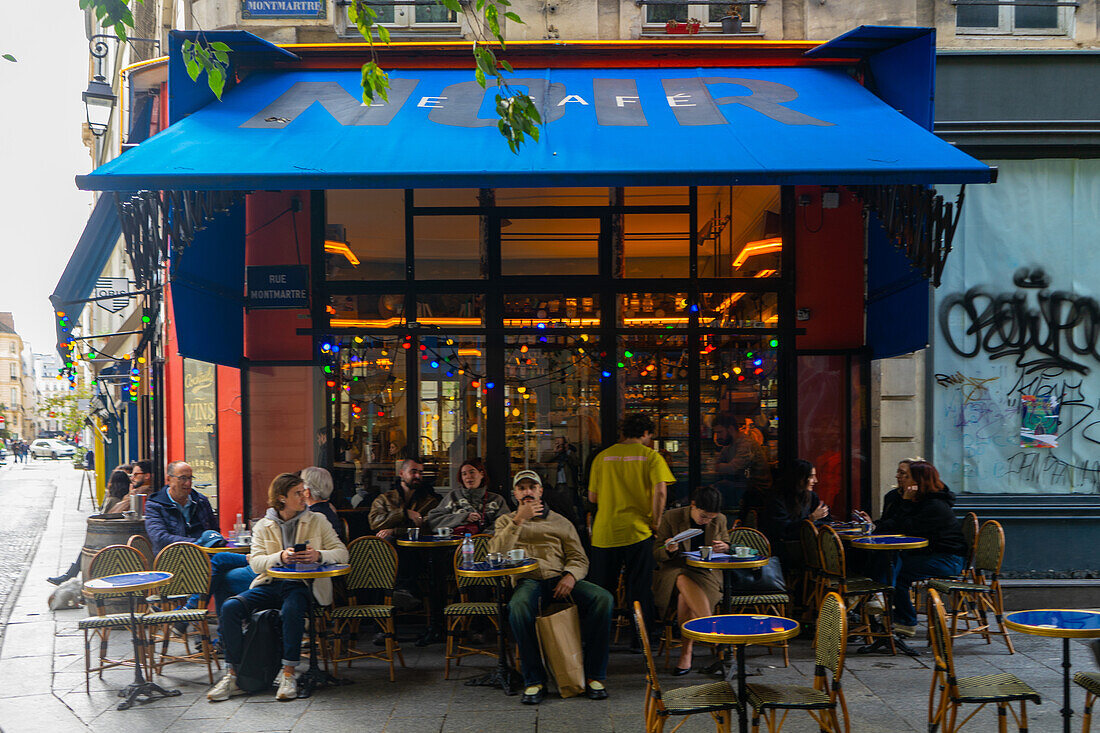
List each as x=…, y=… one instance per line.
x=314, y=678
x=148, y=690
x=883, y=645
x=503, y=677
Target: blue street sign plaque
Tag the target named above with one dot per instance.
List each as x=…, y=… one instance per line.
x=284, y=9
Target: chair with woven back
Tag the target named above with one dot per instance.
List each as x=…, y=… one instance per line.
x=968, y=614
x=1090, y=682
x=373, y=570
x=983, y=592
x=772, y=603
x=457, y=616
x=812, y=580
x=970, y=535
x=826, y=696
x=111, y=560
x=142, y=544
x=716, y=698
x=190, y=568
x=949, y=691
x=855, y=590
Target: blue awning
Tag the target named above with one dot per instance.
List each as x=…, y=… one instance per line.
x=306, y=129
x=86, y=264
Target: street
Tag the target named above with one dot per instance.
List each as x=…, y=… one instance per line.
x=27, y=491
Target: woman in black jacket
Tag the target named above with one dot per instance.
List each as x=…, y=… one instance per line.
x=794, y=501
x=925, y=510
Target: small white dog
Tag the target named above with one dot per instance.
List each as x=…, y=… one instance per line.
x=67, y=595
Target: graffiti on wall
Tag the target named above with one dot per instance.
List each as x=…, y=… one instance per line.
x=1008, y=351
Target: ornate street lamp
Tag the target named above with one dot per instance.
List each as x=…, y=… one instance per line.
x=99, y=103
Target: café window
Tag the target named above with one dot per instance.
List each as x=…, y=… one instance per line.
x=413, y=17
x=709, y=16
x=1036, y=17
x=200, y=427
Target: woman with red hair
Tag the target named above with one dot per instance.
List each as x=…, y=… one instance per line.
x=925, y=510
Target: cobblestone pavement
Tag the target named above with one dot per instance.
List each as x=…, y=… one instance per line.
x=26, y=495
x=42, y=687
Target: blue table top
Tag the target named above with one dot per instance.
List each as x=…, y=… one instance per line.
x=484, y=567
x=125, y=579
x=1066, y=622
x=742, y=628
x=887, y=540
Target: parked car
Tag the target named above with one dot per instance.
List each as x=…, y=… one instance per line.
x=50, y=448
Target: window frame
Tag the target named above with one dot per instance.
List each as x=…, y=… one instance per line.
x=749, y=24
x=1006, y=23
x=454, y=26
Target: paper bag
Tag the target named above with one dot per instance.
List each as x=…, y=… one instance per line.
x=559, y=633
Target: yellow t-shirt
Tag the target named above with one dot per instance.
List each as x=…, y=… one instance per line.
x=622, y=478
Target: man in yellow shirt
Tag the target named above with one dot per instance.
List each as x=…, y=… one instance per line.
x=628, y=485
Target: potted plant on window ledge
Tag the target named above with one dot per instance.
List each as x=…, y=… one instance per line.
x=676, y=27
x=731, y=22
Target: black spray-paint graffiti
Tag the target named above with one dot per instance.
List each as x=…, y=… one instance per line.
x=1044, y=468
x=1053, y=329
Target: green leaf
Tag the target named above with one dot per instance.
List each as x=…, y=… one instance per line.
x=216, y=76
x=514, y=18
x=219, y=46
x=383, y=33
x=9, y=57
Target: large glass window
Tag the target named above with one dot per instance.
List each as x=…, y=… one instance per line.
x=452, y=410
x=549, y=246
x=1038, y=17
x=365, y=236
x=449, y=248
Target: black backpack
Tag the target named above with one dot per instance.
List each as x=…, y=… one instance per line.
x=263, y=651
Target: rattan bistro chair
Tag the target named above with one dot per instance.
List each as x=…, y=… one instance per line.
x=1091, y=682
x=823, y=699
x=855, y=590
x=715, y=698
x=949, y=692
x=813, y=589
x=776, y=604
x=142, y=544
x=373, y=568
x=457, y=616
x=984, y=592
x=111, y=560
x=190, y=568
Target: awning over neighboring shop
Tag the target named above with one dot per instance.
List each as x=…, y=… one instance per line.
x=307, y=129
x=86, y=264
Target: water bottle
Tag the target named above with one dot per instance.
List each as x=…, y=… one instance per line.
x=467, y=552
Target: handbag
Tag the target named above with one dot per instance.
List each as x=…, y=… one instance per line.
x=558, y=629
x=262, y=655
x=760, y=581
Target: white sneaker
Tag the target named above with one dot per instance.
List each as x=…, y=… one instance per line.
x=288, y=688
x=874, y=606
x=905, y=630
x=224, y=689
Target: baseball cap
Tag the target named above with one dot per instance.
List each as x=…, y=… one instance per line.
x=528, y=474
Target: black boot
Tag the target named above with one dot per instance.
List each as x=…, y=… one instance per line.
x=72, y=572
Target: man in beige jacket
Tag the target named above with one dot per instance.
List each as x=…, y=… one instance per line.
x=552, y=539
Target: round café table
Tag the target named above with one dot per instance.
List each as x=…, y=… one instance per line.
x=504, y=676
x=432, y=544
x=1064, y=624
x=314, y=677
x=739, y=630
x=725, y=562
x=133, y=585
x=227, y=547
x=891, y=543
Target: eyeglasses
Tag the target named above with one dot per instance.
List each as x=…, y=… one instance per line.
x=181, y=478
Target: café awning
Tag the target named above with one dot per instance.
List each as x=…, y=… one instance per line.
x=307, y=129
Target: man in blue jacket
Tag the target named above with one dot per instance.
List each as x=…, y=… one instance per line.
x=177, y=513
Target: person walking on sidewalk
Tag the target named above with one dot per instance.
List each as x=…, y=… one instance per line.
x=628, y=485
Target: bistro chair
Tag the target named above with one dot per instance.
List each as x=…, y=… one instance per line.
x=142, y=544
x=775, y=604
x=984, y=592
x=190, y=568
x=970, y=535
x=111, y=560
x=716, y=698
x=1091, y=682
x=855, y=590
x=949, y=692
x=812, y=579
x=457, y=616
x=823, y=699
x=373, y=568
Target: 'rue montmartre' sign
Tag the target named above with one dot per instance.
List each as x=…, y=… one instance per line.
x=283, y=8
x=282, y=286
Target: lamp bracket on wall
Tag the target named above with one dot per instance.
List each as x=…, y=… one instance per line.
x=917, y=220
x=98, y=48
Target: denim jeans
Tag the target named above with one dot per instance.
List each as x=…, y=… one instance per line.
x=229, y=576
x=291, y=596
x=594, y=605
x=908, y=568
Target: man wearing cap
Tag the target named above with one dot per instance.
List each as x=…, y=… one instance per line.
x=551, y=539
x=178, y=513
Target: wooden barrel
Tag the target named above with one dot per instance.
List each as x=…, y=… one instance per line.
x=102, y=533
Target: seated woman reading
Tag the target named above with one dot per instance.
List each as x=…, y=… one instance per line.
x=695, y=591
x=925, y=510
x=288, y=522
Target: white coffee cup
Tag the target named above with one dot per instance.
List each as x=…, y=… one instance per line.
x=742, y=551
x=517, y=555
x=443, y=532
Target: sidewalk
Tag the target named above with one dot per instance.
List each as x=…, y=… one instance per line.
x=43, y=681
